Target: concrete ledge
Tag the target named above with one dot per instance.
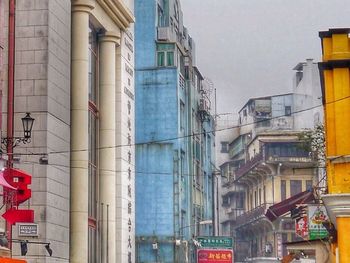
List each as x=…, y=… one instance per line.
x=337, y=205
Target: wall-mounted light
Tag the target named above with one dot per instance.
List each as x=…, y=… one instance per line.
x=27, y=123
x=48, y=249
x=155, y=246
x=44, y=160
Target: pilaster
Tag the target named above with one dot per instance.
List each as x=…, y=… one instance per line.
x=107, y=142
x=79, y=131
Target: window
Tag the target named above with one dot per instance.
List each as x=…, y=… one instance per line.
x=92, y=150
x=165, y=55
x=255, y=199
x=240, y=200
x=224, y=147
x=295, y=187
x=283, y=190
x=182, y=116
x=288, y=110
x=161, y=18
x=259, y=196
x=308, y=184
x=226, y=200
x=161, y=59
x=92, y=64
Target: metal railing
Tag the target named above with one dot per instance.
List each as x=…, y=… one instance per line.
x=253, y=214
x=248, y=165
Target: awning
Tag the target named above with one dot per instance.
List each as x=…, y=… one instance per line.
x=4, y=183
x=276, y=210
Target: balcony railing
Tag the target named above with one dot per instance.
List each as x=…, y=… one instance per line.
x=235, y=213
x=248, y=165
x=253, y=215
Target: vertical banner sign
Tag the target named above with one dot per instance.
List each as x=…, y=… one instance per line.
x=302, y=227
x=128, y=67
x=317, y=216
x=279, y=245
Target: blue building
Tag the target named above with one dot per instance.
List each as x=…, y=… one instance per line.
x=174, y=137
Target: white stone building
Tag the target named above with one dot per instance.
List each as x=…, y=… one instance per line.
x=74, y=72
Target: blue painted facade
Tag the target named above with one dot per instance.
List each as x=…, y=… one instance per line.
x=174, y=137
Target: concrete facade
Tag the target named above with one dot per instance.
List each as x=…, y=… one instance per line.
x=265, y=166
x=52, y=68
x=174, y=138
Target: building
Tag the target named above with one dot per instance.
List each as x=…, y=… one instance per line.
x=335, y=87
x=174, y=137
x=267, y=164
x=74, y=72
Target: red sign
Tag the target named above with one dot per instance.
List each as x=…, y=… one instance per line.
x=21, y=181
x=302, y=227
x=19, y=216
x=214, y=256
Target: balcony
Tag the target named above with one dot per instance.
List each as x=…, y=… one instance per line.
x=248, y=166
x=235, y=213
x=166, y=34
x=252, y=215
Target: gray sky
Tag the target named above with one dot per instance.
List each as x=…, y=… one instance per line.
x=248, y=48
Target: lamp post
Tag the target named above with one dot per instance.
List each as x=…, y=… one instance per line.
x=9, y=143
x=195, y=242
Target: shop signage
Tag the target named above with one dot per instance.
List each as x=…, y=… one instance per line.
x=28, y=230
x=214, y=255
x=302, y=227
x=317, y=216
x=217, y=242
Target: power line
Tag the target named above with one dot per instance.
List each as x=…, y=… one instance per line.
x=185, y=136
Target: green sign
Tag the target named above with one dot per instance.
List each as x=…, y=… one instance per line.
x=317, y=216
x=216, y=242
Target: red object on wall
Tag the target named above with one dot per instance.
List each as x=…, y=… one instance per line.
x=14, y=215
x=214, y=256
x=20, y=180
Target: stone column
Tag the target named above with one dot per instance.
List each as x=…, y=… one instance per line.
x=79, y=131
x=107, y=136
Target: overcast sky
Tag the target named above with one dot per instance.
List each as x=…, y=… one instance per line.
x=249, y=48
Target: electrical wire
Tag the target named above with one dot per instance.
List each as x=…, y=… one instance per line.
x=185, y=136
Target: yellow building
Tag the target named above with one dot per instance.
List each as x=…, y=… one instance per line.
x=336, y=89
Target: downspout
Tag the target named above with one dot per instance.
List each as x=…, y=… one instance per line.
x=10, y=99
x=11, y=78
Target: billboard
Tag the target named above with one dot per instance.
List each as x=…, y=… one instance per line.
x=214, y=255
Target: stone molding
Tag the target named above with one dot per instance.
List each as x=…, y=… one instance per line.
x=110, y=36
x=118, y=12
x=338, y=205
x=83, y=5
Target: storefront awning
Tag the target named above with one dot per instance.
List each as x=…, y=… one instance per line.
x=4, y=183
x=279, y=209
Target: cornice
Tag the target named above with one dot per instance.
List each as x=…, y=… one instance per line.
x=83, y=5
x=118, y=12
x=338, y=205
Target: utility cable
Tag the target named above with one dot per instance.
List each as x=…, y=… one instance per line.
x=185, y=136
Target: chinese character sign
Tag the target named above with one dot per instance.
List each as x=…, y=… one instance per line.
x=317, y=216
x=214, y=256
x=302, y=227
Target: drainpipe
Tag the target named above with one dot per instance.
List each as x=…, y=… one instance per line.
x=10, y=97
x=11, y=78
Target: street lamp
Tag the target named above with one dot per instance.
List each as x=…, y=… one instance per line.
x=194, y=241
x=27, y=123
